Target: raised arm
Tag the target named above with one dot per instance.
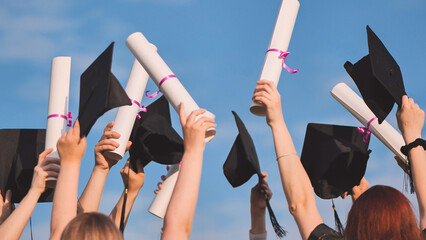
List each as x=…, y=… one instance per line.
x=91, y=197
x=13, y=226
x=410, y=121
x=135, y=181
x=181, y=209
x=296, y=184
x=71, y=150
x=258, y=208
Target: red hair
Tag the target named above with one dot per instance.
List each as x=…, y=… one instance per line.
x=382, y=212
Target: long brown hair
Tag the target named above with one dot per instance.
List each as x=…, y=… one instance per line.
x=91, y=226
x=382, y=212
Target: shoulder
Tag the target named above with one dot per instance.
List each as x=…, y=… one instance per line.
x=323, y=232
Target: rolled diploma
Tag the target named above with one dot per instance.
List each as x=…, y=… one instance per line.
x=280, y=39
x=161, y=201
x=126, y=115
x=387, y=134
x=157, y=69
x=58, y=104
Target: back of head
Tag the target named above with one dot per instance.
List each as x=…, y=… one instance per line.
x=91, y=226
x=382, y=212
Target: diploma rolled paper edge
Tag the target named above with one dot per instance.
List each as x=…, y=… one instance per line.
x=280, y=39
x=58, y=105
x=126, y=115
x=387, y=134
x=164, y=78
x=161, y=201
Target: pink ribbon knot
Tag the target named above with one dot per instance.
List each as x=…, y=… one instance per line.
x=68, y=117
x=141, y=108
x=284, y=55
x=366, y=130
x=159, y=85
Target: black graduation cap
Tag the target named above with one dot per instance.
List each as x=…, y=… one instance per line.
x=19, y=153
x=153, y=137
x=100, y=91
x=242, y=163
x=335, y=158
x=378, y=78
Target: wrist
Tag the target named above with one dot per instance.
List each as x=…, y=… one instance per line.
x=35, y=191
x=411, y=137
x=256, y=210
x=70, y=162
x=100, y=169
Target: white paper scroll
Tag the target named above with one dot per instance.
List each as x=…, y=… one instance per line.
x=58, y=106
x=161, y=201
x=280, y=39
x=158, y=70
x=357, y=107
x=126, y=115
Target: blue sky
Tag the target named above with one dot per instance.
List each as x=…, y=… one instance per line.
x=217, y=50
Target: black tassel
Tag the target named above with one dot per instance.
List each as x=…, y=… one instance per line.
x=31, y=229
x=277, y=228
x=123, y=209
x=339, y=225
x=408, y=178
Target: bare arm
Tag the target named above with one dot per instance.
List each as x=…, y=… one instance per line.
x=14, y=225
x=91, y=197
x=296, y=184
x=136, y=181
x=410, y=121
x=181, y=209
x=71, y=150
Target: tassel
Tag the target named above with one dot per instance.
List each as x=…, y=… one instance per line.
x=339, y=225
x=277, y=228
x=408, y=179
x=123, y=209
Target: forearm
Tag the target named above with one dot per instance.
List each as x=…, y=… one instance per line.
x=296, y=184
x=181, y=209
x=14, y=225
x=417, y=158
x=91, y=196
x=257, y=220
x=64, y=207
x=115, y=214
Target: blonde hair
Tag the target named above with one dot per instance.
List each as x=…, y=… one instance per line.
x=91, y=226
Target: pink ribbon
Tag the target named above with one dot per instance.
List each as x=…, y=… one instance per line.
x=143, y=108
x=68, y=117
x=284, y=55
x=159, y=85
x=366, y=130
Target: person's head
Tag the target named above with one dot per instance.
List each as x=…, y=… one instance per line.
x=382, y=212
x=94, y=226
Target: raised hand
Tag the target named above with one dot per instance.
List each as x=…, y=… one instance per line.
x=71, y=147
x=135, y=179
x=194, y=128
x=260, y=192
x=45, y=168
x=6, y=206
x=266, y=93
x=410, y=119
x=106, y=143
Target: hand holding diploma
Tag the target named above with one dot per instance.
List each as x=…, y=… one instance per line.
x=277, y=50
x=164, y=78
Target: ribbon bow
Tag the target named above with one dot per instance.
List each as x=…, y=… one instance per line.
x=366, y=130
x=141, y=108
x=284, y=55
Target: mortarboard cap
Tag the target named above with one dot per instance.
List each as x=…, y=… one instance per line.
x=153, y=137
x=100, y=91
x=378, y=78
x=334, y=157
x=242, y=163
x=18, y=157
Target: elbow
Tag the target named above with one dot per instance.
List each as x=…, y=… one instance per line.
x=176, y=230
